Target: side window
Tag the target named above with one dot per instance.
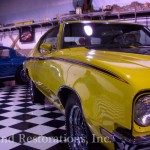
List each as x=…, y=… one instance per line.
x=144, y=38
x=50, y=37
x=76, y=34
x=4, y=53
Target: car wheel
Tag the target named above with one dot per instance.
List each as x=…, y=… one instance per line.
x=21, y=77
x=1, y=84
x=79, y=136
x=36, y=95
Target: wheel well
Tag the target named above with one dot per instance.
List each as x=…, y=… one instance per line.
x=20, y=66
x=63, y=94
x=18, y=69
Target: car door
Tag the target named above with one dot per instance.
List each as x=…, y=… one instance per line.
x=6, y=69
x=46, y=74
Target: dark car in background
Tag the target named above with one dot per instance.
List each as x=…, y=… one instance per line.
x=11, y=65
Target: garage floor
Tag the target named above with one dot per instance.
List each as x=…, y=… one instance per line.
x=24, y=126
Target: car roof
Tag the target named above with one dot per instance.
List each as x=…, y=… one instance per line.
x=5, y=47
x=101, y=21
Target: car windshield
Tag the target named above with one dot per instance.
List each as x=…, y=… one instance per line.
x=121, y=37
x=19, y=54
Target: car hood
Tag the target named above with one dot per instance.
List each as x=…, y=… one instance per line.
x=130, y=67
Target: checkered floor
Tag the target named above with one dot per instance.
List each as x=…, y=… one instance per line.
x=24, y=126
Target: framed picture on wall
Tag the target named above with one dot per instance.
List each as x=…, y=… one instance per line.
x=26, y=34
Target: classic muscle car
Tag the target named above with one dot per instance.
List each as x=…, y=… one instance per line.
x=98, y=74
x=11, y=65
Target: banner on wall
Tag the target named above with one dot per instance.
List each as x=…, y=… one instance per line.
x=26, y=34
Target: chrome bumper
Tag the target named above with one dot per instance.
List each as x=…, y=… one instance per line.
x=123, y=139
x=127, y=141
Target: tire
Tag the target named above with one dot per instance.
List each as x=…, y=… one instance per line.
x=21, y=77
x=76, y=126
x=1, y=84
x=36, y=95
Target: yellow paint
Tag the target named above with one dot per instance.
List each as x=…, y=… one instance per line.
x=106, y=101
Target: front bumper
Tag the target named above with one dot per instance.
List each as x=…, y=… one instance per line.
x=128, y=142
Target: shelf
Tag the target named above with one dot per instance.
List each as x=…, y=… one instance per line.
x=105, y=15
x=128, y=14
x=109, y=15
x=35, y=25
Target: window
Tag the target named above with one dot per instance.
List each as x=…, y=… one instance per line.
x=120, y=37
x=4, y=53
x=144, y=38
x=50, y=37
x=82, y=34
x=18, y=54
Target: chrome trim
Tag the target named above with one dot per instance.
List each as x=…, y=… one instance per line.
x=132, y=140
x=107, y=134
x=7, y=77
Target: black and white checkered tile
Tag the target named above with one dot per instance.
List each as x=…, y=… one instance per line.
x=25, y=126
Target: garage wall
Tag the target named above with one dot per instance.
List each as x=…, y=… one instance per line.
x=11, y=39
x=124, y=2
x=99, y=3
x=12, y=11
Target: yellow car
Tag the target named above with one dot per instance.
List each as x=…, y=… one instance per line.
x=98, y=74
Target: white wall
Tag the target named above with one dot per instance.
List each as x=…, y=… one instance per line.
x=6, y=39
x=12, y=11
x=99, y=3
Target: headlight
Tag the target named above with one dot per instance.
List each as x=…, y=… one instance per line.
x=142, y=111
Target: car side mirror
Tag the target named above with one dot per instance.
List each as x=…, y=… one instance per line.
x=47, y=47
